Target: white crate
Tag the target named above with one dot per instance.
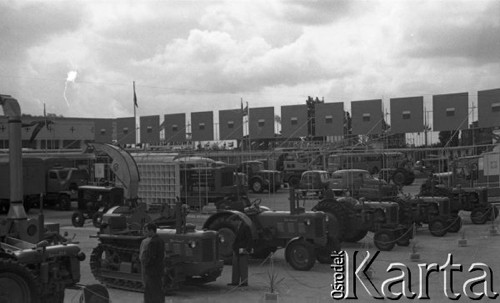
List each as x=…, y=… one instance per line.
x=159, y=182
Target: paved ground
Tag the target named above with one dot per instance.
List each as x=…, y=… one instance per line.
x=315, y=285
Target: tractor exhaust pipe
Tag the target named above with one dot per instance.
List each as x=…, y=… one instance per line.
x=12, y=110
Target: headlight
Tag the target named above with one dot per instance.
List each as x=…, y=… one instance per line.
x=326, y=218
x=307, y=222
x=221, y=239
x=192, y=244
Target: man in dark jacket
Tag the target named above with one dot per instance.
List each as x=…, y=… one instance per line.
x=242, y=247
x=152, y=253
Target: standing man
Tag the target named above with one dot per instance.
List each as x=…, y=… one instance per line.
x=242, y=247
x=151, y=254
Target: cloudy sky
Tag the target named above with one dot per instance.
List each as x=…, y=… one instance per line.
x=80, y=58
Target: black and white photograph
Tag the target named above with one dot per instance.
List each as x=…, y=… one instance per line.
x=249, y=151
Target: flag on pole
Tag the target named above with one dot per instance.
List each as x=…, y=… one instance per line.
x=244, y=111
x=135, y=97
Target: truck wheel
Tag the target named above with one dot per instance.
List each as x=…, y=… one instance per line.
x=17, y=283
x=77, y=219
x=97, y=219
x=437, y=227
x=478, y=216
x=64, y=202
x=455, y=224
x=300, y=255
x=256, y=186
x=384, y=240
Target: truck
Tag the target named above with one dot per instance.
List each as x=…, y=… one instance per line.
x=361, y=184
x=472, y=185
x=260, y=178
x=37, y=263
x=58, y=185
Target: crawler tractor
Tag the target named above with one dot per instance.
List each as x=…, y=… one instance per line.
x=36, y=263
x=305, y=235
x=191, y=256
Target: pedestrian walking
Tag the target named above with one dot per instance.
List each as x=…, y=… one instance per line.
x=152, y=253
x=242, y=247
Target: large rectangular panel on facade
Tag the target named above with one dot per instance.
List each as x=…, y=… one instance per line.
x=103, y=130
x=488, y=103
x=125, y=130
x=329, y=119
x=175, y=128
x=230, y=124
x=294, y=121
x=367, y=117
x=261, y=122
x=450, y=111
x=202, y=126
x=150, y=129
x=407, y=115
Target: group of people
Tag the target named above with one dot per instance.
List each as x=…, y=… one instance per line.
x=152, y=257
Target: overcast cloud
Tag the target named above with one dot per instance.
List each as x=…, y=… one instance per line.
x=188, y=56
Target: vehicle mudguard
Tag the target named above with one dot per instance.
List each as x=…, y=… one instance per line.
x=229, y=213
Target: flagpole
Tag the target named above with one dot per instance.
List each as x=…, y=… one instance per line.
x=45, y=118
x=135, y=113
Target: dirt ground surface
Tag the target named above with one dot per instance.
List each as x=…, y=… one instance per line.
x=315, y=285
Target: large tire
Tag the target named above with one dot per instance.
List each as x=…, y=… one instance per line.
x=410, y=178
x=384, y=240
x=300, y=255
x=438, y=227
x=479, y=216
x=78, y=219
x=227, y=230
x=97, y=219
x=294, y=181
x=355, y=237
x=399, y=178
x=17, y=283
x=256, y=186
x=455, y=224
x=345, y=215
x=323, y=254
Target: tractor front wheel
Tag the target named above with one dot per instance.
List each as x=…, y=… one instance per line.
x=78, y=219
x=437, y=227
x=384, y=240
x=300, y=255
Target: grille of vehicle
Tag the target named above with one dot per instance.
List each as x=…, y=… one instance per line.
x=208, y=250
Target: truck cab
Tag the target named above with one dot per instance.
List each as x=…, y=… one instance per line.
x=360, y=183
x=62, y=185
x=260, y=178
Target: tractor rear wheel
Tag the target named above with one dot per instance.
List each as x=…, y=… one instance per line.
x=17, y=283
x=399, y=178
x=300, y=255
x=227, y=231
x=343, y=210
